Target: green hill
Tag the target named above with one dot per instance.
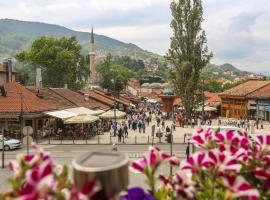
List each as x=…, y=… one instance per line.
x=18, y=35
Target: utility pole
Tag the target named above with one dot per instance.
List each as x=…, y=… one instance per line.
x=3, y=148
x=203, y=100
x=21, y=114
x=171, y=147
x=114, y=88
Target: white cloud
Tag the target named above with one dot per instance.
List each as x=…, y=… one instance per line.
x=238, y=31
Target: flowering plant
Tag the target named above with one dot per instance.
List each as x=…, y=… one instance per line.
x=35, y=176
x=229, y=165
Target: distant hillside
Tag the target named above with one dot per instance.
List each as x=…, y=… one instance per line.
x=226, y=71
x=18, y=35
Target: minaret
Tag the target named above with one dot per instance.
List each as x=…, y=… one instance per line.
x=92, y=57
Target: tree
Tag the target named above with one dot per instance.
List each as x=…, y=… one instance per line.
x=188, y=51
x=60, y=60
x=126, y=61
x=213, y=86
x=113, y=77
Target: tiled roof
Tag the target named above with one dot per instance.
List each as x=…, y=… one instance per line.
x=53, y=98
x=119, y=100
x=98, y=97
x=263, y=93
x=11, y=103
x=78, y=99
x=245, y=88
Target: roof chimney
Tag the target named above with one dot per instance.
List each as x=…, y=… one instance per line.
x=38, y=79
x=5, y=67
x=86, y=97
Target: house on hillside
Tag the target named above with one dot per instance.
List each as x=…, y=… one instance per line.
x=246, y=99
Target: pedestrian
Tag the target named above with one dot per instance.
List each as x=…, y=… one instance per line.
x=120, y=132
x=114, y=128
x=143, y=127
x=140, y=126
x=158, y=133
x=129, y=122
x=163, y=125
x=168, y=130
x=126, y=130
x=192, y=122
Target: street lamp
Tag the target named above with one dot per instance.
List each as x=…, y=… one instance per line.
x=171, y=147
x=202, y=85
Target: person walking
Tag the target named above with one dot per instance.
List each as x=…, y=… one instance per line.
x=143, y=127
x=140, y=126
x=126, y=130
x=129, y=122
x=168, y=130
x=163, y=125
x=120, y=134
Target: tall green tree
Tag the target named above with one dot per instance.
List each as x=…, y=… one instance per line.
x=188, y=51
x=113, y=77
x=60, y=60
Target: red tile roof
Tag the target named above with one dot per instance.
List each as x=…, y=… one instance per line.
x=11, y=103
x=263, y=93
x=119, y=100
x=98, y=97
x=245, y=88
x=78, y=99
x=53, y=98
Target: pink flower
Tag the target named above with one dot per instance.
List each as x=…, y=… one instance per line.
x=38, y=181
x=151, y=160
x=183, y=185
x=239, y=187
x=174, y=161
x=193, y=162
x=202, y=138
x=221, y=161
x=140, y=165
x=264, y=142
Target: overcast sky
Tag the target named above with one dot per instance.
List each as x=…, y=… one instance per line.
x=238, y=31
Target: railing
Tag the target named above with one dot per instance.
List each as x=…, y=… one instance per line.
x=106, y=139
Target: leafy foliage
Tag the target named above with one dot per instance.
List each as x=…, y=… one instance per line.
x=188, y=51
x=128, y=62
x=113, y=77
x=60, y=60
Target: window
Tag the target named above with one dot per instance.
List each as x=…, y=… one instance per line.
x=28, y=122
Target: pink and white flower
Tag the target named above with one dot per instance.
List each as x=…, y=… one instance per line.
x=202, y=138
x=238, y=187
x=221, y=161
x=191, y=164
x=264, y=142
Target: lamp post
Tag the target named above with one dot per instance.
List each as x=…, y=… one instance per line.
x=3, y=148
x=202, y=99
x=21, y=115
x=171, y=147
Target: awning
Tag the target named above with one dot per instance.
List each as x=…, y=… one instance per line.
x=110, y=114
x=84, y=111
x=152, y=101
x=61, y=114
x=81, y=119
x=206, y=109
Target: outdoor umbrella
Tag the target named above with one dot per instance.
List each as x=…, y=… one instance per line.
x=81, y=119
x=110, y=114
